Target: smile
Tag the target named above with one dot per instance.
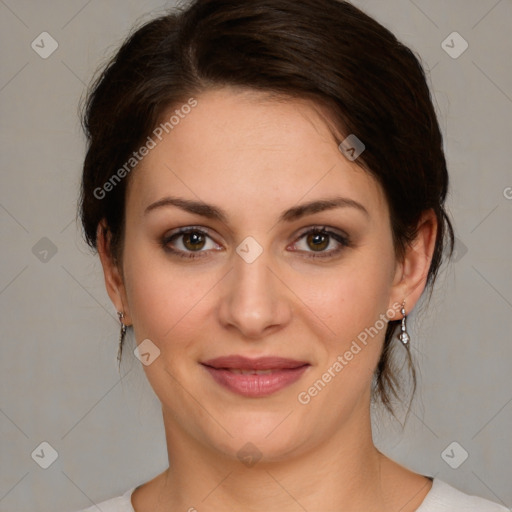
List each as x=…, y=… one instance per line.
x=255, y=378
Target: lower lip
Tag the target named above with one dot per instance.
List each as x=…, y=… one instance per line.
x=254, y=385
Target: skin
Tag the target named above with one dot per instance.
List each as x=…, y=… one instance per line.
x=255, y=157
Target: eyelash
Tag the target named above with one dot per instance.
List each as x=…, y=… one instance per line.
x=344, y=242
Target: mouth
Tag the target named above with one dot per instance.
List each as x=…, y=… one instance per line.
x=255, y=377
x=237, y=371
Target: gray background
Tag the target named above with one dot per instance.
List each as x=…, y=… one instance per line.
x=59, y=381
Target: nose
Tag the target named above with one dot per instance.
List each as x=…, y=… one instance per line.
x=254, y=299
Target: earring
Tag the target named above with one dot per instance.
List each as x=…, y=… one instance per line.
x=122, y=334
x=403, y=336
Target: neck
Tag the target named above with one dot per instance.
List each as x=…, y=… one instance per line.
x=341, y=473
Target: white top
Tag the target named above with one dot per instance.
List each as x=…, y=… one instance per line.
x=442, y=497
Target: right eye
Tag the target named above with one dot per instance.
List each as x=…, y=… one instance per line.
x=187, y=241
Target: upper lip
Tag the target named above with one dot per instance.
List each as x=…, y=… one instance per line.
x=260, y=363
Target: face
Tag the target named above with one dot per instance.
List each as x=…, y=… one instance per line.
x=291, y=259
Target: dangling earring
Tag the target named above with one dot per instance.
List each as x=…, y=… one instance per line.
x=403, y=336
x=122, y=334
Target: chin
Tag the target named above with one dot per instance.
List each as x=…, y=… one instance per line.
x=268, y=437
x=257, y=448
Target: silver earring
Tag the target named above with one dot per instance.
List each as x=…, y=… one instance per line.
x=122, y=334
x=403, y=336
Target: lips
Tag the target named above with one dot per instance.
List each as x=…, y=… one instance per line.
x=261, y=363
x=255, y=377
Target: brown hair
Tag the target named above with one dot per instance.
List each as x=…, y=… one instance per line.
x=325, y=50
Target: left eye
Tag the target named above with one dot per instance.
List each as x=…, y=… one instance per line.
x=319, y=240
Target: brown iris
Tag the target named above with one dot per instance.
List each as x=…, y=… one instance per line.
x=193, y=241
x=317, y=241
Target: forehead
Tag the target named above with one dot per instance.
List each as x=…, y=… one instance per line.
x=238, y=146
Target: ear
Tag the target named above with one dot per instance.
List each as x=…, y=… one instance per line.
x=114, y=281
x=411, y=274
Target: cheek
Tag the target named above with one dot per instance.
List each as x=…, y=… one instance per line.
x=356, y=307
x=356, y=297
x=166, y=308
x=165, y=300
x=353, y=308
x=154, y=297
x=149, y=297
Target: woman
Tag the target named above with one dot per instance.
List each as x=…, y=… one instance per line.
x=265, y=186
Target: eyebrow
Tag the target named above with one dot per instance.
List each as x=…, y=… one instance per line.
x=296, y=212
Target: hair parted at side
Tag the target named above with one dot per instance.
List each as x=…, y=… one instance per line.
x=325, y=50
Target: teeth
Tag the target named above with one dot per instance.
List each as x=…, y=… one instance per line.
x=250, y=372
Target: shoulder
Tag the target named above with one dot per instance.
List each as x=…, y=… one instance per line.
x=120, y=504
x=445, y=498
